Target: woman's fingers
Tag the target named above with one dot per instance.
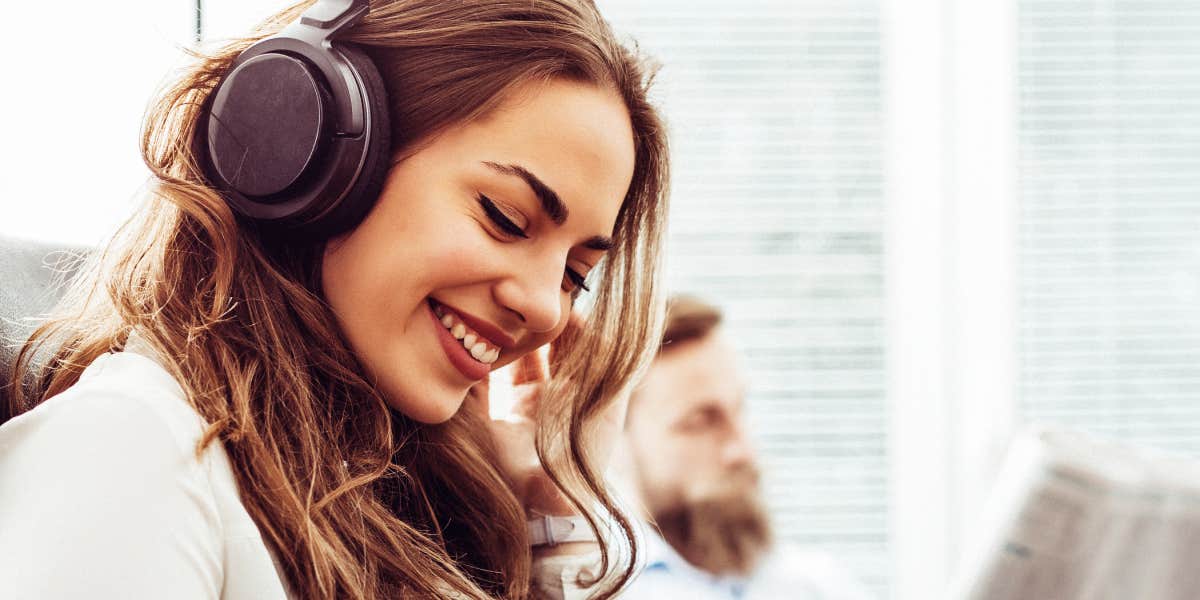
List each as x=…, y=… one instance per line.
x=527, y=396
x=529, y=379
x=607, y=428
x=530, y=372
x=529, y=369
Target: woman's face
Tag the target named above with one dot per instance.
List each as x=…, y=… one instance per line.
x=472, y=253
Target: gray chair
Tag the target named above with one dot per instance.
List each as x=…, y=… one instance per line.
x=28, y=277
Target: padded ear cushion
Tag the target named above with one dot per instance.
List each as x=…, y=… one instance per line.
x=365, y=191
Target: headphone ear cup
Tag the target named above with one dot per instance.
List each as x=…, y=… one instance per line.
x=367, y=186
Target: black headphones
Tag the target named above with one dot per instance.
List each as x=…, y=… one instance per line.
x=297, y=135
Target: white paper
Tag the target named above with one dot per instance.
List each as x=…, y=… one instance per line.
x=1075, y=517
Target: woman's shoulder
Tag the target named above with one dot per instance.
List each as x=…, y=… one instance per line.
x=124, y=427
x=105, y=476
x=125, y=406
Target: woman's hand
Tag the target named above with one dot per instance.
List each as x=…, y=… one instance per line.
x=514, y=434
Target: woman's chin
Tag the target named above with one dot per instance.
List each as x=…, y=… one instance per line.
x=431, y=408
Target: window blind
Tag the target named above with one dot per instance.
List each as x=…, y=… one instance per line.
x=774, y=109
x=1109, y=238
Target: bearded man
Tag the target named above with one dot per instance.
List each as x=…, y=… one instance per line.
x=692, y=468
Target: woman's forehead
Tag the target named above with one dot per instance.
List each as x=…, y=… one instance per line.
x=575, y=137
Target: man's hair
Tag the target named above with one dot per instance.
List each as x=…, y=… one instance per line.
x=688, y=318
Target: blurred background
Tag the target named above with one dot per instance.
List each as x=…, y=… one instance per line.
x=928, y=222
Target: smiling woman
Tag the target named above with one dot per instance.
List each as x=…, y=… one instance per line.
x=273, y=381
x=495, y=223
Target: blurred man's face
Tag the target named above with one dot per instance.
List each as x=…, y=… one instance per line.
x=696, y=469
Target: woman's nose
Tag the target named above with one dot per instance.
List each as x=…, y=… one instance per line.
x=535, y=295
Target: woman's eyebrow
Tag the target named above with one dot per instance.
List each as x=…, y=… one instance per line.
x=599, y=242
x=551, y=203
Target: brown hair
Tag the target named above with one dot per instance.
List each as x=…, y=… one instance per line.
x=688, y=318
x=357, y=500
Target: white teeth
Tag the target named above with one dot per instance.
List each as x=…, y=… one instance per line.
x=475, y=345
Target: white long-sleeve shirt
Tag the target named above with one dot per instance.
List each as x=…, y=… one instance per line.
x=102, y=497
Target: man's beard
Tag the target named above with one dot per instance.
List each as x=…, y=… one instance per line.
x=725, y=531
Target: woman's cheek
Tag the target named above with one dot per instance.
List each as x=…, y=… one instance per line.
x=468, y=255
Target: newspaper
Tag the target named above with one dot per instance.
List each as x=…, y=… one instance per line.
x=1076, y=517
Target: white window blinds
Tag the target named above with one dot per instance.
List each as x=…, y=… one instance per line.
x=1109, y=181
x=777, y=216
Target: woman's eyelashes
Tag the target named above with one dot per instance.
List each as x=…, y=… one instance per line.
x=578, y=282
x=498, y=217
x=575, y=281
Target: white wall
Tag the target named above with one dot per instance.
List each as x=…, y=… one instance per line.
x=78, y=77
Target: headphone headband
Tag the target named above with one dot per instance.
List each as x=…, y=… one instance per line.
x=315, y=29
x=334, y=15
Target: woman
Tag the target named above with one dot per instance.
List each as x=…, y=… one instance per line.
x=335, y=441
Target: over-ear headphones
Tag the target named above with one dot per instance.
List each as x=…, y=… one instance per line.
x=297, y=135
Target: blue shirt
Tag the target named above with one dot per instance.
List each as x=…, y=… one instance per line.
x=787, y=572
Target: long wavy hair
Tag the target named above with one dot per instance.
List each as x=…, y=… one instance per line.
x=357, y=500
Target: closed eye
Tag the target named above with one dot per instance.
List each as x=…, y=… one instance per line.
x=498, y=217
x=578, y=281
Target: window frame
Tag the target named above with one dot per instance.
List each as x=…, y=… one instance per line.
x=950, y=172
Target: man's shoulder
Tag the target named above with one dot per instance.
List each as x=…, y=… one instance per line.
x=818, y=573
x=665, y=574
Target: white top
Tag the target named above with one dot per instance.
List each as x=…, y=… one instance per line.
x=101, y=496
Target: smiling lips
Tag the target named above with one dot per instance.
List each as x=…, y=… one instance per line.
x=461, y=336
x=480, y=348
